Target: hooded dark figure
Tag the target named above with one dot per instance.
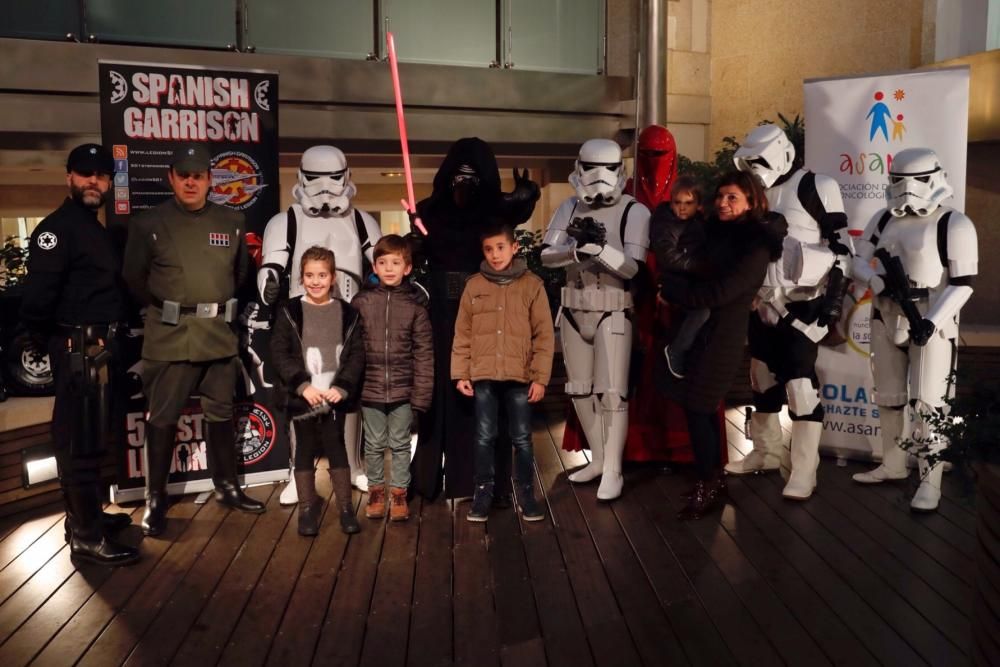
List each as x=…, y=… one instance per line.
x=466, y=198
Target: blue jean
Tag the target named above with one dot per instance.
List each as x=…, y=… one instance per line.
x=488, y=394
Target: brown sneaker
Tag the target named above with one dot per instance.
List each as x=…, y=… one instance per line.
x=398, y=509
x=376, y=502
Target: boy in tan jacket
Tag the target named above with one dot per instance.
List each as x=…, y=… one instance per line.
x=503, y=352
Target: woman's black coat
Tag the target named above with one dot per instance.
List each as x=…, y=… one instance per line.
x=743, y=249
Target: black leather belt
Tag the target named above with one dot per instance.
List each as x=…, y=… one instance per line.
x=90, y=332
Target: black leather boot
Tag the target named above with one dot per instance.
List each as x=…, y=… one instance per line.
x=707, y=497
x=110, y=523
x=88, y=541
x=220, y=440
x=310, y=504
x=160, y=442
x=341, y=479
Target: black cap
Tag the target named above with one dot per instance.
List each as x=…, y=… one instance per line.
x=191, y=158
x=90, y=158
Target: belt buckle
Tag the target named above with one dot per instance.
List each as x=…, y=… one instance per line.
x=206, y=310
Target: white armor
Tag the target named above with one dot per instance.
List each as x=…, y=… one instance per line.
x=938, y=249
x=812, y=206
x=594, y=323
x=323, y=216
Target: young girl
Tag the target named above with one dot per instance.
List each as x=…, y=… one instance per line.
x=317, y=347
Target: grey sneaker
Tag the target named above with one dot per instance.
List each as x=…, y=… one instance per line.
x=675, y=362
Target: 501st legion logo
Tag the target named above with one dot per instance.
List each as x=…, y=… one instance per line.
x=255, y=432
x=236, y=180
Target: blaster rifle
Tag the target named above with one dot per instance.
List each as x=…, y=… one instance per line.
x=897, y=288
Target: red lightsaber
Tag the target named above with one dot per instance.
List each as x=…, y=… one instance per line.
x=409, y=203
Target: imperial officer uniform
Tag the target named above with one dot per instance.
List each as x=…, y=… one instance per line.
x=73, y=300
x=185, y=266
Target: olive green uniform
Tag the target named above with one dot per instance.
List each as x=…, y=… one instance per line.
x=190, y=258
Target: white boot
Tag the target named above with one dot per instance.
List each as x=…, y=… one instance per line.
x=588, y=413
x=765, y=427
x=928, y=494
x=804, y=457
x=616, y=431
x=893, y=457
x=290, y=494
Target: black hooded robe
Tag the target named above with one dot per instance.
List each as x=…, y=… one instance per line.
x=454, y=251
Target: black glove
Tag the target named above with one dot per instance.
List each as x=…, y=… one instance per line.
x=416, y=241
x=271, y=289
x=586, y=230
x=921, y=335
x=526, y=191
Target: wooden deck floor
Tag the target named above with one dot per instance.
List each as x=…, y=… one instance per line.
x=851, y=577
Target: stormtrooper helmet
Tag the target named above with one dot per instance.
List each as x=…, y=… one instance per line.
x=599, y=177
x=917, y=183
x=324, y=186
x=766, y=153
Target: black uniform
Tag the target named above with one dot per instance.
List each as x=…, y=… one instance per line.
x=73, y=280
x=74, y=299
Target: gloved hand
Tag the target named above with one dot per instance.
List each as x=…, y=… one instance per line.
x=587, y=231
x=271, y=289
x=526, y=191
x=922, y=334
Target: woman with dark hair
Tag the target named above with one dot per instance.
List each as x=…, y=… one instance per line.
x=742, y=238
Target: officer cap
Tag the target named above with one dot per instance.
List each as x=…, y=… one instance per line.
x=191, y=159
x=90, y=158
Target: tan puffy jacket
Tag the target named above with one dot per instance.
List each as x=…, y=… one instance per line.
x=503, y=331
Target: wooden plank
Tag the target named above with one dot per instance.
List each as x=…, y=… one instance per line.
x=207, y=637
x=24, y=535
x=431, y=618
x=299, y=630
x=893, y=607
x=76, y=636
x=892, y=532
x=838, y=643
x=48, y=611
x=389, y=617
x=342, y=633
x=519, y=631
x=691, y=623
x=29, y=561
x=917, y=532
x=654, y=638
x=169, y=630
x=475, y=623
x=850, y=605
x=255, y=631
x=28, y=499
x=605, y=627
x=134, y=619
x=894, y=567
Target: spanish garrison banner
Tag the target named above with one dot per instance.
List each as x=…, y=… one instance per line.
x=855, y=126
x=148, y=113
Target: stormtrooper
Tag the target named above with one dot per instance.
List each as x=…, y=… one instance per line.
x=322, y=215
x=801, y=296
x=600, y=236
x=925, y=258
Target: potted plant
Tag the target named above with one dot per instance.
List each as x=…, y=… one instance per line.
x=971, y=424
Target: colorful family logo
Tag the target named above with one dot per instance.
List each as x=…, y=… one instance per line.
x=880, y=117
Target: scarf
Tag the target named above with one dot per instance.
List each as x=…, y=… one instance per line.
x=516, y=269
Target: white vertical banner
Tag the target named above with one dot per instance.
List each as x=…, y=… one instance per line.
x=854, y=127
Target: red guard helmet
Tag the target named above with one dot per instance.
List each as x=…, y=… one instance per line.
x=656, y=166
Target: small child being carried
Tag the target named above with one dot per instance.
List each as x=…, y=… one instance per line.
x=679, y=242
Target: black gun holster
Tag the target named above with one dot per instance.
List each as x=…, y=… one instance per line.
x=89, y=364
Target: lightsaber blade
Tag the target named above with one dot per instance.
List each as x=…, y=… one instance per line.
x=410, y=201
